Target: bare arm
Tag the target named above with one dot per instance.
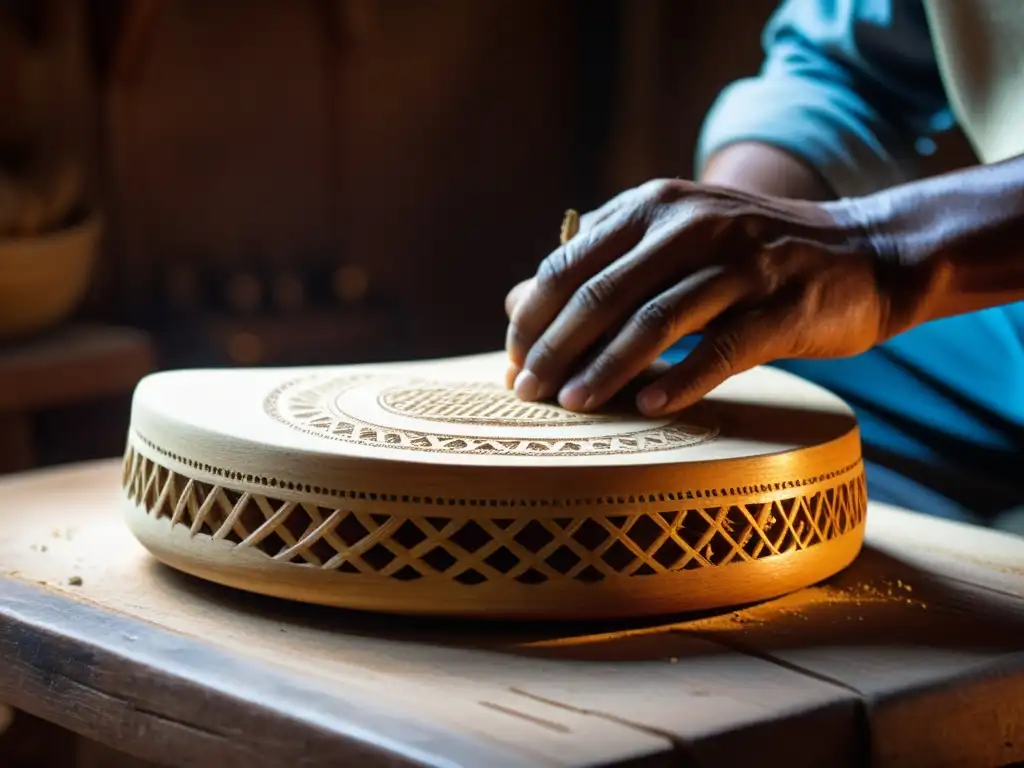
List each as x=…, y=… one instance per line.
x=965, y=230
x=764, y=169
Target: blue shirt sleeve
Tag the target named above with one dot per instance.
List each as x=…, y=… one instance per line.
x=849, y=86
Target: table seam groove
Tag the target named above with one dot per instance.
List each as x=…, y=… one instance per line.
x=677, y=743
x=862, y=719
x=768, y=657
x=11, y=617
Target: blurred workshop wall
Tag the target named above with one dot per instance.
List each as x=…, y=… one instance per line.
x=304, y=182
x=337, y=180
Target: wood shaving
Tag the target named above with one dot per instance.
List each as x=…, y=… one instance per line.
x=570, y=226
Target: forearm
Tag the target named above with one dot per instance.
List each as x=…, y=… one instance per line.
x=964, y=230
x=761, y=168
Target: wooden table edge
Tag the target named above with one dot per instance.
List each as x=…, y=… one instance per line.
x=49, y=628
x=58, y=643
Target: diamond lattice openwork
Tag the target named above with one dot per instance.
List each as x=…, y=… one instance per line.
x=472, y=551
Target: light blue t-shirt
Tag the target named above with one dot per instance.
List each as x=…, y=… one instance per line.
x=853, y=88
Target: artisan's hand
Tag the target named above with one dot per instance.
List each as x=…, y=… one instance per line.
x=760, y=278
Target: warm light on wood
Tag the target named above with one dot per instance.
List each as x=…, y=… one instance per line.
x=429, y=488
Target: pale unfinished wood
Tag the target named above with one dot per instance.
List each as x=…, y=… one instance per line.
x=537, y=694
x=430, y=488
x=795, y=681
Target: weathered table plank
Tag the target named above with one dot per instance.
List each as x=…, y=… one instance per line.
x=192, y=668
x=927, y=627
x=173, y=700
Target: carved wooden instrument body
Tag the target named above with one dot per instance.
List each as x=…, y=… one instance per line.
x=428, y=488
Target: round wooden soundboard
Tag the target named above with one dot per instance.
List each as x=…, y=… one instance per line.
x=428, y=488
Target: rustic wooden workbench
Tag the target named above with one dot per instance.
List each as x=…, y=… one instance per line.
x=913, y=656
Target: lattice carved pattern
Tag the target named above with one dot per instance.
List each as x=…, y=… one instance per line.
x=472, y=551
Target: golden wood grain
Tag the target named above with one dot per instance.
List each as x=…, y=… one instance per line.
x=421, y=488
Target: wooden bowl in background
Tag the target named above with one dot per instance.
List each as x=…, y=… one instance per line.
x=44, y=279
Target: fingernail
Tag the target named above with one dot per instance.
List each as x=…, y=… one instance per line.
x=574, y=397
x=527, y=386
x=651, y=401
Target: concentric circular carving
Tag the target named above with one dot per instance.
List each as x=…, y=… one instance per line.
x=402, y=414
x=476, y=403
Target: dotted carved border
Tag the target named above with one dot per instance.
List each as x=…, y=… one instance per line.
x=640, y=498
x=493, y=547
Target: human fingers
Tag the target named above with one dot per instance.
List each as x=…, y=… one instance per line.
x=597, y=309
x=688, y=307
x=682, y=237
x=562, y=273
x=570, y=228
x=626, y=214
x=626, y=199
x=513, y=297
x=572, y=225
x=747, y=340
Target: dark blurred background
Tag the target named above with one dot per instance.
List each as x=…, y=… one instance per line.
x=322, y=181
x=272, y=182
x=314, y=181
x=326, y=181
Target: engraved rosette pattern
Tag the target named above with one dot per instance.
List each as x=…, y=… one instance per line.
x=493, y=421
